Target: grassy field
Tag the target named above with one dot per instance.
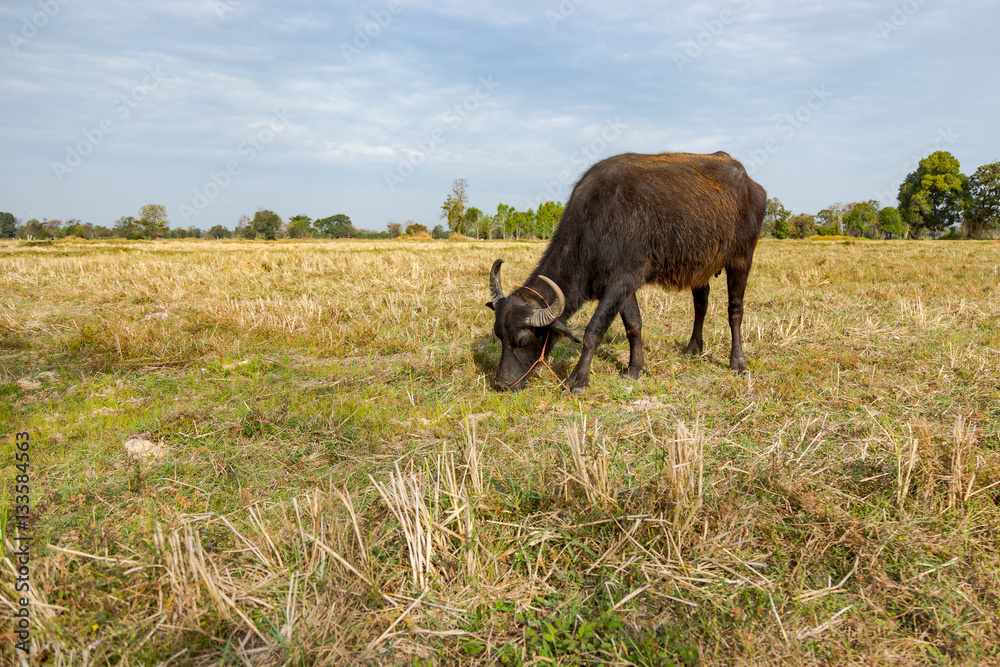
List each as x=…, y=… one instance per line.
x=327, y=477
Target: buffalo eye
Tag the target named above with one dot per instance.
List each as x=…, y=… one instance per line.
x=524, y=338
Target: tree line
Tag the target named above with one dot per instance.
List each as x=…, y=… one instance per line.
x=934, y=200
x=152, y=223
x=506, y=223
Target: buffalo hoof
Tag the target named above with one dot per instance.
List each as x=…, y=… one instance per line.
x=693, y=349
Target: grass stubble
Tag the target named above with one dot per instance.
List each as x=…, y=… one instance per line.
x=335, y=483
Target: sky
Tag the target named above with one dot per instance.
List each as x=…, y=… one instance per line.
x=216, y=108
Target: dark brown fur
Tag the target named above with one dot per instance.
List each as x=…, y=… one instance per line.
x=674, y=219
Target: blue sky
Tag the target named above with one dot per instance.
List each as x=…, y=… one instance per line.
x=215, y=108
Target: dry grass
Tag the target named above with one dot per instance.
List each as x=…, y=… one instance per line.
x=335, y=483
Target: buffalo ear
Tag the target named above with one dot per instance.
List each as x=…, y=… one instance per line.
x=489, y=304
x=560, y=328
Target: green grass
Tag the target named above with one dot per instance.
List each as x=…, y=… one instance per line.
x=340, y=485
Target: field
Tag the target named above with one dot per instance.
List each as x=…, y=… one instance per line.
x=255, y=453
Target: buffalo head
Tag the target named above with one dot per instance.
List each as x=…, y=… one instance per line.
x=526, y=331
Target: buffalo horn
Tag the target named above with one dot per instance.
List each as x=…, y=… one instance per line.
x=545, y=316
x=496, y=289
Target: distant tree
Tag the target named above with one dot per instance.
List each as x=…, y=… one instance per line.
x=473, y=216
x=265, y=224
x=453, y=209
x=437, y=232
x=127, y=227
x=74, y=227
x=861, y=219
x=776, y=219
x=932, y=197
x=522, y=224
x=891, y=224
x=395, y=230
x=299, y=226
x=802, y=225
x=829, y=221
x=501, y=221
x=8, y=225
x=982, y=211
x=337, y=226
x=103, y=232
x=413, y=228
x=243, y=227
x=218, y=232
x=548, y=217
x=194, y=232
x=53, y=228
x=153, y=220
x=35, y=229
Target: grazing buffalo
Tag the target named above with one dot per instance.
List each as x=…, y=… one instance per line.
x=674, y=219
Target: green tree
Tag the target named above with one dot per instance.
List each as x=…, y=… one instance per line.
x=265, y=224
x=932, y=197
x=337, y=226
x=35, y=229
x=218, y=232
x=437, y=232
x=127, y=227
x=484, y=227
x=861, y=219
x=830, y=220
x=243, y=227
x=299, y=226
x=802, y=225
x=890, y=222
x=548, y=217
x=473, y=217
x=79, y=229
x=8, y=225
x=776, y=219
x=395, y=229
x=982, y=212
x=153, y=220
x=453, y=208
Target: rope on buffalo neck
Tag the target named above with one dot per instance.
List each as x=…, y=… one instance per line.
x=541, y=357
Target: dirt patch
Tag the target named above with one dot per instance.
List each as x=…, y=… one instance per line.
x=141, y=448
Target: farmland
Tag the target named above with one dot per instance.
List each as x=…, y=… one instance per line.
x=328, y=478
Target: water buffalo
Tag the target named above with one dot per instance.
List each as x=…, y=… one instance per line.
x=674, y=219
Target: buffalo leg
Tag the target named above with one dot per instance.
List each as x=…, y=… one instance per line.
x=608, y=308
x=736, y=281
x=700, y=294
x=632, y=319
